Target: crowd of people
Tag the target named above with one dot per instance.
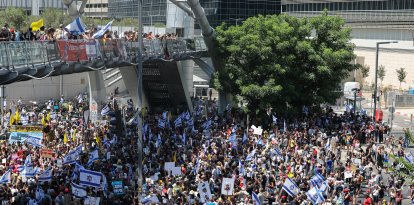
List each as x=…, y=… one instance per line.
x=61, y=33
x=202, y=157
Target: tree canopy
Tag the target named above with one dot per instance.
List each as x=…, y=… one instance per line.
x=282, y=61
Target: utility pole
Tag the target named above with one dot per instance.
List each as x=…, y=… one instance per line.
x=139, y=101
x=376, y=78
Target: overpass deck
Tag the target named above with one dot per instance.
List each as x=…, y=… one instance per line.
x=25, y=60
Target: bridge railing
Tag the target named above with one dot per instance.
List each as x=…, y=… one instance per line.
x=31, y=53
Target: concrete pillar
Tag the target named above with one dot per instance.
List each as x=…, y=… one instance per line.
x=186, y=70
x=130, y=78
x=97, y=93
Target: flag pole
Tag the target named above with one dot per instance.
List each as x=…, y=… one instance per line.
x=139, y=100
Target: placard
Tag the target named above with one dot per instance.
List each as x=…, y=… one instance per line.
x=4, y=161
x=356, y=161
x=227, y=186
x=72, y=51
x=22, y=136
x=47, y=153
x=205, y=192
x=92, y=200
x=348, y=174
x=118, y=188
x=59, y=163
x=176, y=171
x=168, y=166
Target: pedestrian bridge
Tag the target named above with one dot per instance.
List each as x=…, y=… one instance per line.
x=26, y=60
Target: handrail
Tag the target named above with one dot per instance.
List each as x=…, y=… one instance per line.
x=31, y=53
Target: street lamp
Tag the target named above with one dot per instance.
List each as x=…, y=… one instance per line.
x=376, y=77
x=237, y=20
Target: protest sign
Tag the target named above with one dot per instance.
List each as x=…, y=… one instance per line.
x=92, y=200
x=46, y=153
x=227, y=186
x=168, y=166
x=205, y=192
x=118, y=188
x=176, y=171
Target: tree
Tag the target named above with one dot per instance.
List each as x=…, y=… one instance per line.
x=54, y=17
x=381, y=73
x=364, y=70
x=275, y=61
x=401, y=74
x=15, y=17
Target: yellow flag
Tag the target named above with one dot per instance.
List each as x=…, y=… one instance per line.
x=48, y=117
x=37, y=25
x=98, y=140
x=73, y=135
x=43, y=121
x=11, y=120
x=17, y=116
x=291, y=175
x=174, y=157
x=65, y=138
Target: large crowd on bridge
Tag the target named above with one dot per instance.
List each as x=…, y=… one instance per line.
x=60, y=33
x=200, y=157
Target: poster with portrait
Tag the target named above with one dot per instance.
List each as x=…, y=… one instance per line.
x=227, y=186
x=204, y=190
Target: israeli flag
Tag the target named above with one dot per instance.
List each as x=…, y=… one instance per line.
x=317, y=180
x=76, y=27
x=40, y=194
x=105, y=110
x=178, y=122
x=274, y=119
x=164, y=115
x=232, y=138
x=46, y=175
x=197, y=166
x=159, y=141
x=104, y=185
x=6, y=178
x=28, y=161
x=199, y=110
x=242, y=171
x=20, y=168
x=290, y=187
x=184, y=138
x=93, y=156
x=78, y=191
x=90, y=178
x=190, y=122
x=29, y=171
x=251, y=155
x=206, y=125
x=101, y=32
x=187, y=116
x=71, y=157
x=244, y=140
x=409, y=157
x=161, y=123
x=315, y=196
x=35, y=141
x=255, y=198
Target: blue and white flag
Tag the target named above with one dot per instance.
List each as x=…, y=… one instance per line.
x=184, y=140
x=159, y=141
x=260, y=141
x=93, y=156
x=274, y=119
x=187, y=116
x=35, y=141
x=76, y=27
x=317, y=180
x=46, y=175
x=242, y=171
x=244, y=140
x=90, y=178
x=290, y=187
x=28, y=161
x=40, y=194
x=190, y=122
x=101, y=32
x=197, y=166
x=161, y=123
x=234, y=129
x=78, y=191
x=206, y=125
x=6, y=178
x=105, y=110
x=232, y=138
x=71, y=157
x=20, y=168
x=409, y=157
x=29, y=171
x=255, y=198
x=251, y=155
x=104, y=185
x=177, y=122
x=315, y=196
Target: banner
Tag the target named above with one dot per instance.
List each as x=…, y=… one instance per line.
x=72, y=51
x=46, y=153
x=118, y=188
x=17, y=128
x=227, y=186
x=23, y=136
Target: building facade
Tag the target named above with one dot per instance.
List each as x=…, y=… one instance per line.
x=233, y=12
x=97, y=8
x=154, y=11
x=33, y=7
